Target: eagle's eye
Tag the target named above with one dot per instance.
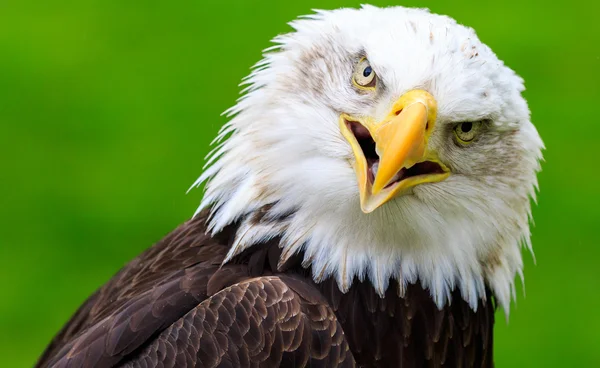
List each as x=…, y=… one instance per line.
x=364, y=76
x=466, y=132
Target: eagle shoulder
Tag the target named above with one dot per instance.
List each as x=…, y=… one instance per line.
x=176, y=303
x=148, y=294
x=269, y=321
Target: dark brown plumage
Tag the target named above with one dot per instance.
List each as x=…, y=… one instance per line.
x=175, y=306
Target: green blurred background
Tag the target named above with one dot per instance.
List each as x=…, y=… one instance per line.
x=107, y=109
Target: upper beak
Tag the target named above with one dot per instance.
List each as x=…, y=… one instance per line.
x=401, y=158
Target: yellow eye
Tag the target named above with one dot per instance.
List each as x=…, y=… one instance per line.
x=364, y=76
x=466, y=132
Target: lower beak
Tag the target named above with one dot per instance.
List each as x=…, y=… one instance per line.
x=392, y=155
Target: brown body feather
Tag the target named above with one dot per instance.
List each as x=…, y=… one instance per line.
x=175, y=306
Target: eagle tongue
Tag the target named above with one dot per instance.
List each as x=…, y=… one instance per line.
x=374, y=166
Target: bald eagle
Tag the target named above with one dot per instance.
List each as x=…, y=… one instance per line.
x=365, y=205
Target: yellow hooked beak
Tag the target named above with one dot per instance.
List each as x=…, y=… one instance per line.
x=392, y=155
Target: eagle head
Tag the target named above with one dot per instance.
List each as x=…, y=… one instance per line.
x=381, y=143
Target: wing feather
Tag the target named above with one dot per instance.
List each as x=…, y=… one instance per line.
x=259, y=322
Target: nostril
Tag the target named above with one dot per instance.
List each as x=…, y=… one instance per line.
x=398, y=112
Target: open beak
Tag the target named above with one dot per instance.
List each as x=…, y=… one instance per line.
x=392, y=155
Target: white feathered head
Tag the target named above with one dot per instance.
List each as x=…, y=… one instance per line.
x=382, y=143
